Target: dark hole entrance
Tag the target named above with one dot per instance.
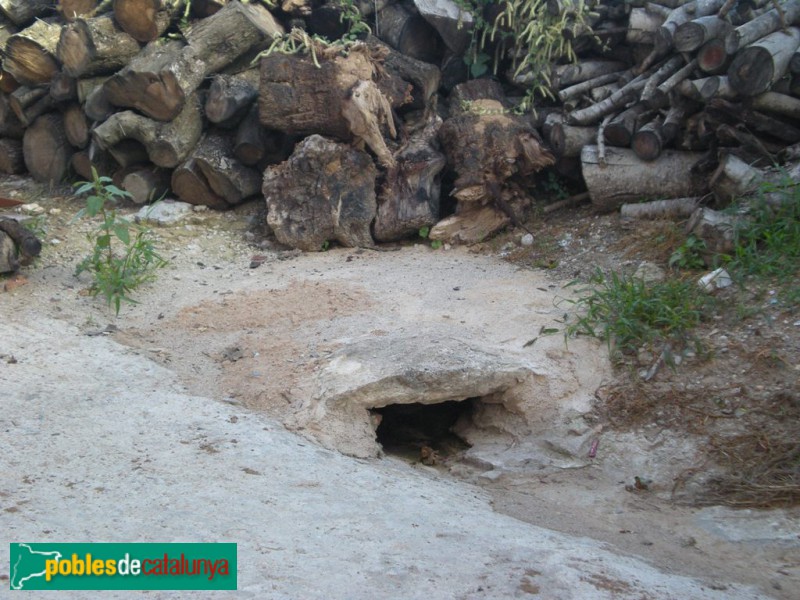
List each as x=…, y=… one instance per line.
x=422, y=432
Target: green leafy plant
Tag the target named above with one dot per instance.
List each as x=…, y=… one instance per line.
x=351, y=15
x=689, y=255
x=629, y=312
x=124, y=256
x=424, y=232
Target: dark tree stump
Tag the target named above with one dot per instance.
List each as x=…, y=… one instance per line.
x=29, y=103
x=76, y=127
x=324, y=192
x=226, y=176
x=145, y=20
x=409, y=197
x=190, y=185
x=231, y=95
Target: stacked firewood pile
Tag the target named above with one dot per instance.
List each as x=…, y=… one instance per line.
x=219, y=101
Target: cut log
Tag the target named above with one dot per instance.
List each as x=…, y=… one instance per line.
x=674, y=208
x=626, y=178
x=649, y=141
x=167, y=144
x=755, y=121
x=146, y=184
x=487, y=147
x=794, y=63
x=256, y=146
x=63, y=87
x=423, y=77
x=30, y=54
x=619, y=132
x=230, y=96
x=733, y=179
x=693, y=34
x=205, y=8
x=95, y=102
x=190, y=185
x=342, y=84
x=594, y=113
x=464, y=94
x=471, y=224
x=46, y=149
x=567, y=75
x=159, y=79
x=12, y=160
x=759, y=65
x=579, y=89
x=408, y=33
x=76, y=127
x=660, y=96
x=761, y=26
x=226, y=176
x=780, y=104
x=569, y=140
x=712, y=57
x=691, y=10
x=27, y=243
x=10, y=126
x=643, y=22
x=83, y=161
x=8, y=254
x=94, y=46
x=661, y=74
x=22, y=12
x=72, y=9
x=324, y=192
x=452, y=22
x=409, y=197
x=30, y=103
x=145, y=20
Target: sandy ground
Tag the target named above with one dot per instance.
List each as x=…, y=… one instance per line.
x=194, y=404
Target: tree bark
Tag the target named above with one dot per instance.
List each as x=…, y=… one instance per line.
x=674, y=208
x=83, y=161
x=167, y=144
x=579, y=89
x=759, y=65
x=46, y=149
x=12, y=160
x=28, y=245
x=409, y=198
x=94, y=46
x=256, y=146
x=472, y=223
x=423, y=77
x=712, y=57
x=30, y=54
x=63, y=87
x=626, y=178
x=159, y=79
x=453, y=23
x=10, y=126
x=145, y=20
x=190, y=185
x=643, y=22
x=733, y=179
x=619, y=132
x=780, y=104
x=232, y=95
x=22, y=12
x=664, y=38
x=92, y=95
x=567, y=75
x=756, y=121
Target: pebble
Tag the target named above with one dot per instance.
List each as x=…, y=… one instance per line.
x=527, y=240
x=32, y=209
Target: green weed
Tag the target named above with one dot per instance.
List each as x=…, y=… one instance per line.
x=629, y=312
x=689, y=255
x=124, y=256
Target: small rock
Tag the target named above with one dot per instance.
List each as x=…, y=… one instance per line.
x=526, y=240
x=715, y=280
x=166, y=212
x=648, y=271
x=54, y=211
x=32, y=209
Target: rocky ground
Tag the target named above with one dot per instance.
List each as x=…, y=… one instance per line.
x=260, y=329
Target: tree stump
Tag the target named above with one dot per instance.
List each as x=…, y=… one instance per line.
x=190, y=185
x=324, y=192
x=145, y=20
x=230, y=96
x=409, y=197
x=146, y=184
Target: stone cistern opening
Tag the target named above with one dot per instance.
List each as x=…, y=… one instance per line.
x=423, y=432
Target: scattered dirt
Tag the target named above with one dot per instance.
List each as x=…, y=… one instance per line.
x=721, y=428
